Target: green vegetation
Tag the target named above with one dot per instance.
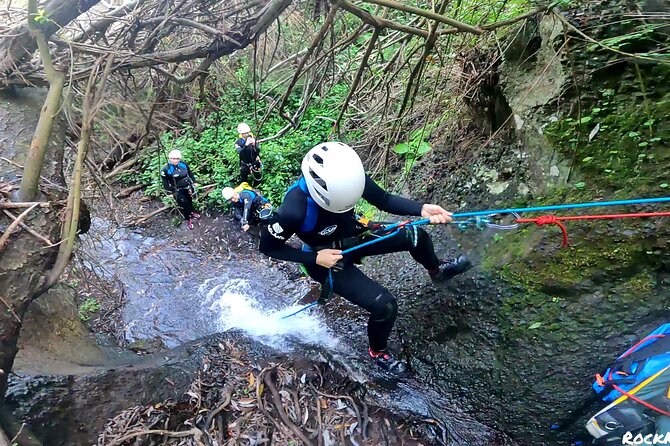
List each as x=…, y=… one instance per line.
x=211, y=155
x=415, y=148
x=87, y=308
x=620, y=142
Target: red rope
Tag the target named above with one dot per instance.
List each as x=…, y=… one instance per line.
x=638, y=400
x=633, y=348
x=554, y=220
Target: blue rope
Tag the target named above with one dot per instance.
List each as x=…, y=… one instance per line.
x=300, y=310
x=330, y=281
x=395, y=228
x=564, y=206
x=481, y=222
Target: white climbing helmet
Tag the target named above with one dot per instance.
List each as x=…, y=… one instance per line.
x=174, y=154
x=334, y=175
x=227, y=193
x=243, y=128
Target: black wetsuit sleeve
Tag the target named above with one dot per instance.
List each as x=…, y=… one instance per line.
x=167, y=180
x=387, y=202
x=287, y=221
x=237, y=210
x=245, y=198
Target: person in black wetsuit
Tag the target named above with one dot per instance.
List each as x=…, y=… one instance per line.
x=249, y=151
x=249, y=207
x=319, y=209
x=178, y=179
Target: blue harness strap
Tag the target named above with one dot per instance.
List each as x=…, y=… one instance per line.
x=312, y=208
x=172, y=167
x=250, y=192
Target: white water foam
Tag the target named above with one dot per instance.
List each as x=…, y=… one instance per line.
x=236, y=304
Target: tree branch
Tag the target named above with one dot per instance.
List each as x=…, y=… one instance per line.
x=10, y=229
x=464, y=27
x=380, y=22
x=359, y=74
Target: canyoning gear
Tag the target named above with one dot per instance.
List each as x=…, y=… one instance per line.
x=450, y=268
x=563, y=206
x=251, y=207
x=387, y=362
x=334, y=176
x=637, y=386
x=174, y=154
x=554, y=220
x=227, y=193
x=243, y=186
x=179, y=180
x=175, y=177
x=352, y=284
x=243, y=128
x=316, y=227
x=249, y=152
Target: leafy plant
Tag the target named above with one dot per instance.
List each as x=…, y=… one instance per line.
x=87, y=308
x=415, y=148
x=211, y=155
x=41, y=17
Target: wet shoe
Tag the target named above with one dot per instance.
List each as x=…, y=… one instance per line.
x=450, y=268
x=189, y=224
x=195, y=215
x=387, y=362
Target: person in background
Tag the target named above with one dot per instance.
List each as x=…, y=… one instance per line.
x=249, y=206
x=319, y=210
x=249, y=151
x=178, y=180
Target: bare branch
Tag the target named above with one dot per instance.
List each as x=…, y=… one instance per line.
x=464, y=27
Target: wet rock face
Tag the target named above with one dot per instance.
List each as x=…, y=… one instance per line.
x=516, y=341
x=76, y=409
x=67, y=410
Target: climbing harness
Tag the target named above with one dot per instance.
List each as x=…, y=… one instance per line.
x=257, y=172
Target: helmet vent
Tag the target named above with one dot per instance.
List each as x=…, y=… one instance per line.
x=318, y=159
x=320, y=181
x=324, y=198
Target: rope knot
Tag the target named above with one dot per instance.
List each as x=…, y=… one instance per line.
x=547, y=220
x=552, y=220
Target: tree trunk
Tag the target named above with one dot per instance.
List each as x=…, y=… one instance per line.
x=23, y=263
x=40, y=142
x=38, y=146
x=20, y=46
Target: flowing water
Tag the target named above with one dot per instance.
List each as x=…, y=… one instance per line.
x=178, y=294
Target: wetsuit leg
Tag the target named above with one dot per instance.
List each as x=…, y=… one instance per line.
x=413, y=239
x=185, y=203
x=244, y=172
x=359, y=289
